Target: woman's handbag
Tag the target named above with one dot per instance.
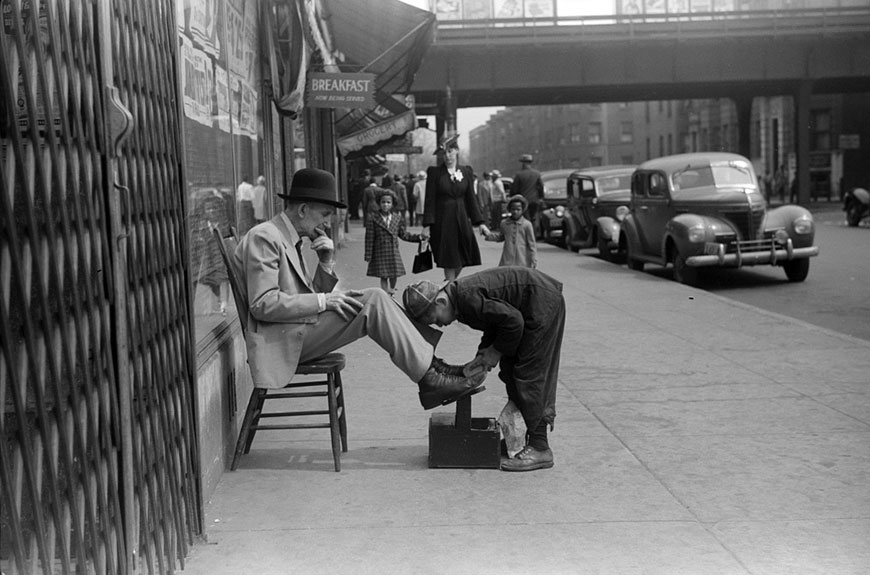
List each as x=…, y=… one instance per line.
x=423, y=259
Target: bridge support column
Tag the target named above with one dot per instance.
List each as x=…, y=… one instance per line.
x=445, y=122
x=802, y=139
x=744, y=125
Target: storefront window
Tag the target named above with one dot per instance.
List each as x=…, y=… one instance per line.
x=224, y=144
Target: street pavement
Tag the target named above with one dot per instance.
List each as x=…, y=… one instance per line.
x=695, y=435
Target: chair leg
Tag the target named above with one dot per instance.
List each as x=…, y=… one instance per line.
x=333, y=420
x=246, y=434
x=342, y=421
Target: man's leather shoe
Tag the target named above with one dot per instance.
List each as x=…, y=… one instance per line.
x=438, y=388
x=442, y=366
x=528, y=459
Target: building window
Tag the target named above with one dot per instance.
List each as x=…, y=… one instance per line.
x=627, y=159
x=820, y=130
x=574, y=133
x=626, y=132
x=594, y=132
x=661, y=146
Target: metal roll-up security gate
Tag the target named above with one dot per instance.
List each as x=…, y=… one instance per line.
x=98, y=459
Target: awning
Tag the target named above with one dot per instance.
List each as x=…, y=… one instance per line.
x=385, y=37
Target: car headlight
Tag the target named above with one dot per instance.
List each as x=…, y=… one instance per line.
x=803, y=224
x=560, y=211
x=621, y=212
x=697, y=233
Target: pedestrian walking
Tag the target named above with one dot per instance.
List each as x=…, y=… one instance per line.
x=518, y=236
x=451, y=212
x=499, y=196
x=528, y=183
x=419, y=194
x=383, y=232
x=484, y=194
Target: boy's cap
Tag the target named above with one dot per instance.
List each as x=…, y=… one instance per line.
x=419, y=297
x=518, y=198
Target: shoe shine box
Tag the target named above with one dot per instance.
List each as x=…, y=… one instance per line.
x=463, y=441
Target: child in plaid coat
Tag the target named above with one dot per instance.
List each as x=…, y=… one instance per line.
x=383, y=230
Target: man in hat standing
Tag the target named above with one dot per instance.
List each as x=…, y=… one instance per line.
x=528, y=183
x=521, y=313
x=294, y=317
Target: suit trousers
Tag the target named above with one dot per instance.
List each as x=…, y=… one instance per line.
x=411, y=346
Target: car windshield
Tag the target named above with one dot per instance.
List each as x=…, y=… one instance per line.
x=555, y=189
x=610, y=184
x=719, y=175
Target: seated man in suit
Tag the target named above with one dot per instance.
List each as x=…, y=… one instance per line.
x=294, y=318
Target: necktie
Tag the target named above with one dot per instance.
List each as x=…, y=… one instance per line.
x=301, y=259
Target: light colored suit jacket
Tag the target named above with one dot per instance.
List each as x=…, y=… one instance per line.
x=281, y=300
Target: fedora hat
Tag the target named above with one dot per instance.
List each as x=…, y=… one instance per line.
x=527, y=158
x=313, y=185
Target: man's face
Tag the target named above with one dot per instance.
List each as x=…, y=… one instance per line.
x=314, y=216
x=441, y=313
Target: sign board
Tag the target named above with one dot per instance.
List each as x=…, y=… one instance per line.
x=340, y=90
x=395, y=157
x=401, y=150
x=850, y=141
x=395, y=126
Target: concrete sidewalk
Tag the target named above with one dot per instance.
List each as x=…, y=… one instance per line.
x=694, y=435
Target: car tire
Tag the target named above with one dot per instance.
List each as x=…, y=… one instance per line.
x=683, y=273
x=797, y=270
x=604, y=249
x=853, y=215
x=634, y=264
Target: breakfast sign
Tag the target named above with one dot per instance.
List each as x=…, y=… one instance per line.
x=340, y=90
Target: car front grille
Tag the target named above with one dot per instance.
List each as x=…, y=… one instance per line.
x=747, y=222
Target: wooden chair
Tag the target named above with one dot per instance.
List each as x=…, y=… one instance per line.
x=329, y=365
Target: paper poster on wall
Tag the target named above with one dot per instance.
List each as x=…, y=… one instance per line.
x=222, y=88
x=508, y=8
x=203, y=25
x=477, y=9
x=654, y=6
x=447, y=9
x=539, y=8
x=198, y=82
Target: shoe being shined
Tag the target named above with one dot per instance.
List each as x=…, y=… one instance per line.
x=438, y=388
x=442, y=366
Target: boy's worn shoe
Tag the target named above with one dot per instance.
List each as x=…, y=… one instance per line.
x=528, y=459
x=438, y=388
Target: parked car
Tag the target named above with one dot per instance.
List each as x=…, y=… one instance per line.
x=553, y=205
x=598, y=200
x=704, y=210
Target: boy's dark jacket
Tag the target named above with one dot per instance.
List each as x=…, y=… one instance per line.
x=505, y=303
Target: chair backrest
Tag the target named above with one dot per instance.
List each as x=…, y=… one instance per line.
x=227, y=248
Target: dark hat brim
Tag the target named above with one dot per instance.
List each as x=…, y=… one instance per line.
x=300, y=196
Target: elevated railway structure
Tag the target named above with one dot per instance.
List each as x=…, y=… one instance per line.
x=739, y=55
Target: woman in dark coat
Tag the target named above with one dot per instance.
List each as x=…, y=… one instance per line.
x=451, y=212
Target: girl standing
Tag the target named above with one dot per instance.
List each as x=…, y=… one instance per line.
x=383, y=230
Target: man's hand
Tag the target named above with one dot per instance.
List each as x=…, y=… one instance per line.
x=344, y=303
x=323, y=245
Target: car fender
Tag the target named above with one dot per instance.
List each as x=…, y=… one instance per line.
x=677, y=232
x=783, y=217
x=628, y=230
x=608, y=228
